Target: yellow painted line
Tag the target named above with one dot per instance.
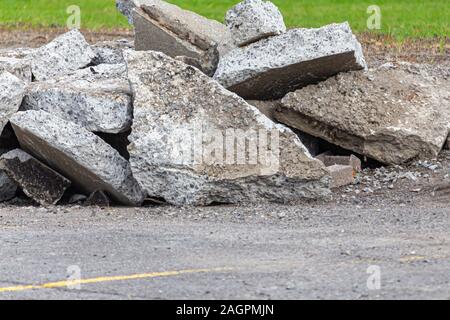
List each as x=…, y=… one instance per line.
x=66, y=283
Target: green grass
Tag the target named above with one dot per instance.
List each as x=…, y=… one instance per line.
x=400, y=18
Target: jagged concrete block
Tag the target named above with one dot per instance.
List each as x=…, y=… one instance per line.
x=98, y=98
x=253, y=20
x=390, y=115
x=183, y=119
x=89, y=162
x=39, y=182
x=200, y=31
x=66, y=53
x=150, y=36
x=19, y=67
x=12, y=91
x=8, y=187
x=270, y=68
x=164, y=27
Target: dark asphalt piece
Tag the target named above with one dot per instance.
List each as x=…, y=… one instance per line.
x=317, y=251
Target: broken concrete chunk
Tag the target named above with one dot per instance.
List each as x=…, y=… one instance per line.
x=12, y=91
x=89, y=162
x=392, y=115
x=150, y=36
x=270, y=68
x=164, y=27
x=95, y=98
x=68, y=52
x=183, y=119
x=187, y=25
x=8, y=187
x=353, y=161
x=341, y=175
x=38, y=181
x=19, y=67
x=253, y=20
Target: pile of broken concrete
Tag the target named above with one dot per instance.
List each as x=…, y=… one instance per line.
x=197, y=112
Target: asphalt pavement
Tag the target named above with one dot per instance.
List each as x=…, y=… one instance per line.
x=309, y=251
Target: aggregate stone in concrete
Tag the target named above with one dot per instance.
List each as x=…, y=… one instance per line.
x=270, y=68
x=253, y=20
x=183, y=119
x=39, y=182
x=89, y=162
x=66, y=53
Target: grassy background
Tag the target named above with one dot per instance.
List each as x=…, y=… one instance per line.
x=401, y=18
